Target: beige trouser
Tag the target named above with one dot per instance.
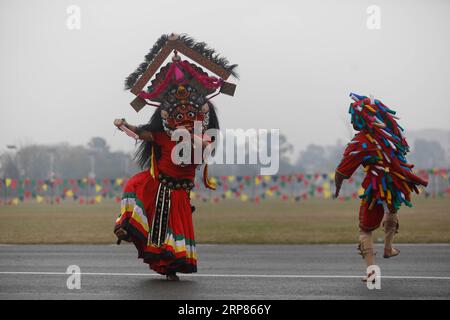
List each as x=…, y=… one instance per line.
x=366, y=240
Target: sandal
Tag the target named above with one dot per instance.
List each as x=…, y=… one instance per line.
x=172, y=277
x=121, y=234
x=389, y=253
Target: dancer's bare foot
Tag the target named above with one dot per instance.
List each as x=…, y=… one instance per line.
x=172, y=277
x=389, y=253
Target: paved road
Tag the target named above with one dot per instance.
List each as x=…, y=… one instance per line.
x=225, y=272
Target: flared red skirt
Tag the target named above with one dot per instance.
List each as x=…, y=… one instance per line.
x=158, y=220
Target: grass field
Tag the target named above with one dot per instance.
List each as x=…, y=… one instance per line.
x=312, y=221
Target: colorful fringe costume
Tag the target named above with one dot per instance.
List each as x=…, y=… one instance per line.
x=380, y=147
x=155, y=211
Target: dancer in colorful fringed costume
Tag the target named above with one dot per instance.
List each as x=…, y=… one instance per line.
x=156, y=214
x=380, y=147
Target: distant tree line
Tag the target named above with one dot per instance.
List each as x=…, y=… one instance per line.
x=66, y=161
x=95, y=159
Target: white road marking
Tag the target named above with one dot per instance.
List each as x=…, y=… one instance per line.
x=230, y=244
x=295, y=276
x=345, y=245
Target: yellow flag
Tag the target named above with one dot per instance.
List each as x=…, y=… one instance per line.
x=98, y=188
x=69, y=193
x=98, y=199
x=8, y=182
x=15, y=201
x=244, y=197
x=45, y=187
x=39, y=199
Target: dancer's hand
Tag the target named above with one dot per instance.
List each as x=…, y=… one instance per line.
x=338, y=179
x=204, y=140
x=120, y=122
x=336, y=194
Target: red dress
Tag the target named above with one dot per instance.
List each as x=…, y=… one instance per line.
x=158, y=219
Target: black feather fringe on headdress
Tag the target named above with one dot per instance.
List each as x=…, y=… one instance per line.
x=204, y=50
x=200, y=47
x=131, y=80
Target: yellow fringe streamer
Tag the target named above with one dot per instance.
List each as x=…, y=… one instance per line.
x=152, y=164
x=208, y=182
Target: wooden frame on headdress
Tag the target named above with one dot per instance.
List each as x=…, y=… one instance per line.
x=174, y=44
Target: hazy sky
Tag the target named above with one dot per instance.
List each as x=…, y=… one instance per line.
x=298, y=60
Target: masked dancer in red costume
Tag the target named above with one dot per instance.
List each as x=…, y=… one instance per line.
x=380, y=147
x=156, y=213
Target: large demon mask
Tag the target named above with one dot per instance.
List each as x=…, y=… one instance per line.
x=183, y=106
